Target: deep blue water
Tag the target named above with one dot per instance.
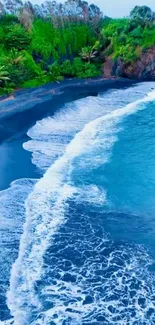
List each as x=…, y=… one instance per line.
x=15, y=162
x=86, y=254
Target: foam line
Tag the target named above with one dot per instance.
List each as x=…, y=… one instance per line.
x=46, y=207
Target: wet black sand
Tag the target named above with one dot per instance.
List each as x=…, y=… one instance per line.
x=21, y=110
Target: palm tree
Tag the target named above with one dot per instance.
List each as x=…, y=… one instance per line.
x=87, y=53
x=3, y=74
x=90, y=52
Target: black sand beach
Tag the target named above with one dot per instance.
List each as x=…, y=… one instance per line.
x=21, y=110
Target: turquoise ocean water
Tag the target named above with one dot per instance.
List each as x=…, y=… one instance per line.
x=77, y=245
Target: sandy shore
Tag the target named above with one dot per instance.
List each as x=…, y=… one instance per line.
x=21, y=110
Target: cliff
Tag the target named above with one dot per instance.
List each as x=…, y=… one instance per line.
x=142, y=68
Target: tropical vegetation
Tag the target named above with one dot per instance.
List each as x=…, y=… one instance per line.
x=40, y=44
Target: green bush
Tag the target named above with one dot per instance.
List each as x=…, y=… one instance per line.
x=80, y=69
x=148, y=37
x=67, y=69
x=30, y=65
x=85, y=70
x=39, y=81
x=122, y=39
x=55, y=72
x=18, y=73
x=8, y=19
x=17, y=38
x=31, y=83
x=3, y=55
x=128, y=37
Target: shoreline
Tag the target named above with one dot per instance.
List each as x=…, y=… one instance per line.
x=20, y=111
x=18, y=114
x=53, y=88
x=63, y=84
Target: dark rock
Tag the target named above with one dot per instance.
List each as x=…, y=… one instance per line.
x=143, y=68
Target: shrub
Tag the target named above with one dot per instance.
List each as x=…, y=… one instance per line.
x=80, y=69
x=30, y=65
x=55, y=72
x=85, y=70
x=128, y=37
x=9, y=19
x=137, y=32
x=67, y=69
x=148, y=37
x=7, y=88
x=31, y=83
x=89, y=70
x=17, y=74
x=17, y=38
x=3, y=56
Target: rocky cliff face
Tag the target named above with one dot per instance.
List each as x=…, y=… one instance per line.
x=143, y=68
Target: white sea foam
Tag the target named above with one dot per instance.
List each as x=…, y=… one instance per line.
x=118, y=287
x=12, y=217
x=47, y=205
x=50, y=136
x=90, y=194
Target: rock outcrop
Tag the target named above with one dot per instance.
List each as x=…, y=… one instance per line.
x=142, y=68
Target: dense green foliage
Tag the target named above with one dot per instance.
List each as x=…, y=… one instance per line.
x=128, y=37
x=49, y=41
x=36, y=50
x=41, y=54
x=79, y=69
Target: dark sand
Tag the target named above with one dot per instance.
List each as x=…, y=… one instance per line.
x=21, y=110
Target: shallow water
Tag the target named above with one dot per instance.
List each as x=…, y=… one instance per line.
x=86, y=255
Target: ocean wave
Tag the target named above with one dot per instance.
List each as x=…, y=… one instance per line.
x=50, y=136
x=47, y=208
x=12, y=216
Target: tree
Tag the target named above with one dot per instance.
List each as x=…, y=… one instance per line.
x=87, y=53
x=142, y=13
x=85, y=8
x=73, y=10
x=17, y=38
x=12, y=6
x=95, y=16
x=26, y=18
x=51, y=10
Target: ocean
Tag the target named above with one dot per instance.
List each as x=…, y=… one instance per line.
x=77, y=228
